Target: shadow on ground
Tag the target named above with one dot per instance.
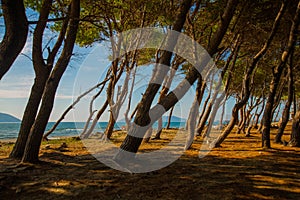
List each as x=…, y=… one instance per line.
x=61, y=176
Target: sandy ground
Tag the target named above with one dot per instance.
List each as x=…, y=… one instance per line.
x=240, y=169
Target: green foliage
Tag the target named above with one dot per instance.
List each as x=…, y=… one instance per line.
x=253, y=21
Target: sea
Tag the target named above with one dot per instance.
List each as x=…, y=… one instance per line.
x=11, y=130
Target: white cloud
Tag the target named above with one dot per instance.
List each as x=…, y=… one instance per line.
x=28, y=47
x=9, y=94
x=62, y=96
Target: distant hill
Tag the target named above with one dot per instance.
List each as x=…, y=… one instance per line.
x=8, y=118
x=165, y=119
x=173, y=119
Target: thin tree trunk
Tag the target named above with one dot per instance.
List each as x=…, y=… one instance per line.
x=258, y=114
x=194, y=112
x=286, y=111
x=87, y=134
x=276, y=79
x=223, y=113
x=275, y=119
x=250, y=126
x=164, y=92
x=295, y=101
x=170, y=118
x=91, y=110
x=201, y=120
x=242, y=121
x=295, y=136
x=110, y=126
x=127, y=120
x=148, y=134
x=16, y=30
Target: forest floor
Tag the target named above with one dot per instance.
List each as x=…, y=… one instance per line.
x=240, y=169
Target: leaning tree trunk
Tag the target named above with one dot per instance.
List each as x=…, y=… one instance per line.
x=286, y=111
x=131, y=143
x=163, y=93
x=250, y=126
x=295, y=136
x=201, y=119
x=194, y=111
x=242, y=122
x=246, y=84
x=267, y=118
x=29, y=116
x=170, y=118
x=258, y=114
x=35, y=137
x=110, y=126
x=16, y=29
x=87, y=133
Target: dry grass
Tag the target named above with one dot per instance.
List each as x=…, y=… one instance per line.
x=240, y=169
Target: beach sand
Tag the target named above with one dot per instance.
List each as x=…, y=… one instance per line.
x=240, y=169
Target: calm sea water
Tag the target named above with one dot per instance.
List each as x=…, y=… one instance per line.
x=10, y=130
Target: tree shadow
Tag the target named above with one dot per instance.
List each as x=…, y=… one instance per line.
x=62, y=176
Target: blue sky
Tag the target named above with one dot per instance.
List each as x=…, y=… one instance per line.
x=92, y=64
x=85, y=70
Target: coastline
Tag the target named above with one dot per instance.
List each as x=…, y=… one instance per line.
x=13, y=140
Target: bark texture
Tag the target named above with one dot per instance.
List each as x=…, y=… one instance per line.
x=36, y=133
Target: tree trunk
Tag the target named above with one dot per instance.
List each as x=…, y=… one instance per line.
x=35, y=137
x=295, y=136
x=258, y=114
x=276, y=79
x=286, y=111
x=267, y=117
x=250, y=126
x=242, y=121
x=29, y=116
x=221, y=124
x=110, y=126
x=42, y=72
x=201, y=121
x=16, y=29
x=132, y=143
x=170, y=118
x=148, y=134
x=204, y=119
x=163, y=93
x=86, y=134
x=194, y=112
